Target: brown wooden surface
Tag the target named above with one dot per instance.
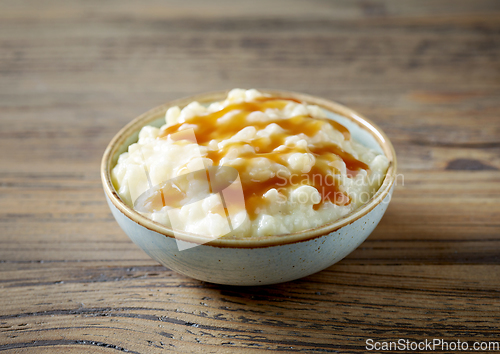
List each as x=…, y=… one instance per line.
x=74, y=72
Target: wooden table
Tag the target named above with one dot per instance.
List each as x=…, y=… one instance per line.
x=74, y=72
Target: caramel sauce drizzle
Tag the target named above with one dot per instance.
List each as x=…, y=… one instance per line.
x=321, y=176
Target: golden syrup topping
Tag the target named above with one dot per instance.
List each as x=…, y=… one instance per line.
x=321, y=176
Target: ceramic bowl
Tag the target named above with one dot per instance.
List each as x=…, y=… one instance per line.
x=255, y=261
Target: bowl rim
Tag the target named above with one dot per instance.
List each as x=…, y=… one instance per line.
x=254, y=242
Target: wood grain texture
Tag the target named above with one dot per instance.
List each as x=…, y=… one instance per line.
x=74, y=72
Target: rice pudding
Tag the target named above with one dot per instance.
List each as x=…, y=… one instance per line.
x=296, y=169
